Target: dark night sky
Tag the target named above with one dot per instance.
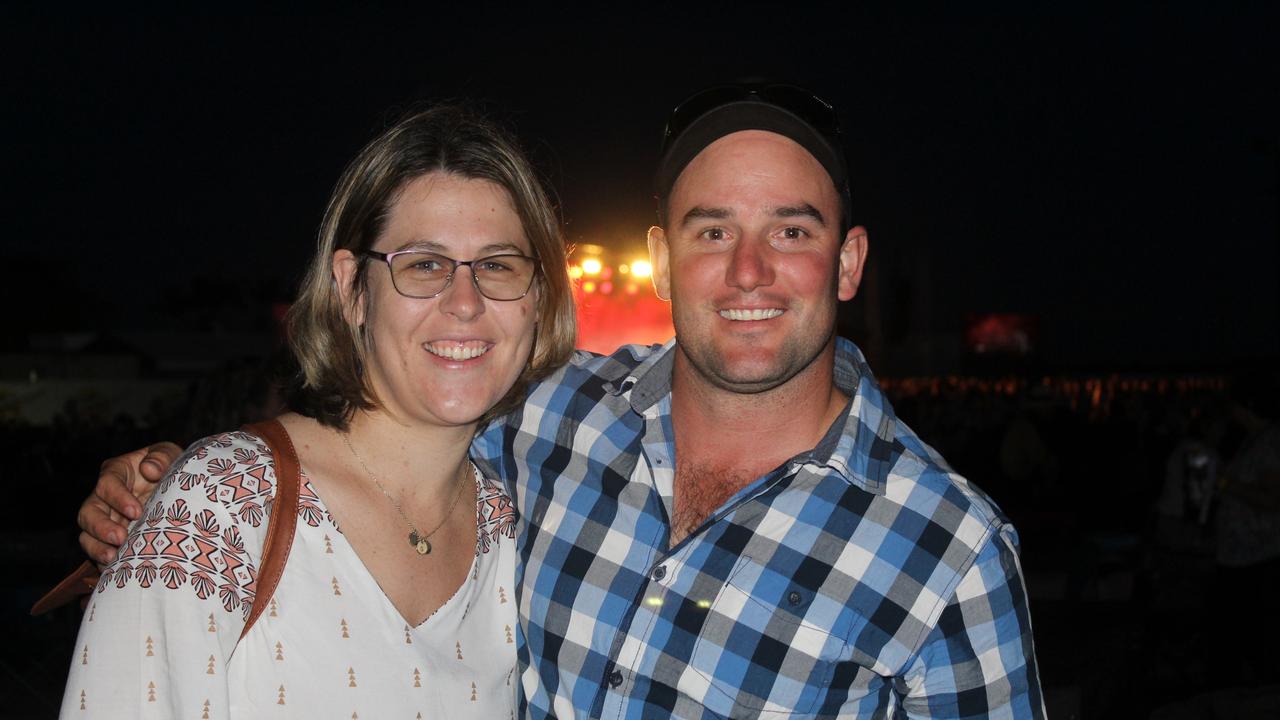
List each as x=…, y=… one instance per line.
x=1114, y=173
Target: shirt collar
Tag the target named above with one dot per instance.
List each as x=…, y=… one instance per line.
x=859, y=445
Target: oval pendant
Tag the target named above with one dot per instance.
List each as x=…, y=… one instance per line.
x=423, y=547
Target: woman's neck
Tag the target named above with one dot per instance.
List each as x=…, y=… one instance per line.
x=409, y=460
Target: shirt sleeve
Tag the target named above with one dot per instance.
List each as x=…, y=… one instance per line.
x=979, y=661
x=165, y=617
x=486, y=448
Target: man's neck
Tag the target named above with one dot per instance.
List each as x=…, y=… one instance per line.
x=725, y=440
x=752, y=433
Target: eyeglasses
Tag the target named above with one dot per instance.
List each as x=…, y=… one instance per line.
x=810, y=108
x=421, y=274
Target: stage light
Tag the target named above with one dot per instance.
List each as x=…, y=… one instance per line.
x=641, y=268
x=588, y=287
x=575, y=272
x=591, y=266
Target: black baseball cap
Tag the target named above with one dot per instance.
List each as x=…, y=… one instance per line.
x=787, y=110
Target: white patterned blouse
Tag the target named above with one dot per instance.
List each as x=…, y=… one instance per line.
x=159, y=636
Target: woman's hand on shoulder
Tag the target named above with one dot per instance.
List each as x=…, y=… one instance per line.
x=124, y=484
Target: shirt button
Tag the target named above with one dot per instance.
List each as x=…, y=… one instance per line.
x=794, y=598
x=615, y=679
x=659, y=572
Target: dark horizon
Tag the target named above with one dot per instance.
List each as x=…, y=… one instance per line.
x=1112, y=175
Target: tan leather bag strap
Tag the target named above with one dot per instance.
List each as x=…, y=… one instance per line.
x=284, y=515
x=275, y=551
x=78, y=584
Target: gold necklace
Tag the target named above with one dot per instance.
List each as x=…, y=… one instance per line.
x=417, y=540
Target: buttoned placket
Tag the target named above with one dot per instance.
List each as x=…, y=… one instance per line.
x=658, y=463
x=611, y=699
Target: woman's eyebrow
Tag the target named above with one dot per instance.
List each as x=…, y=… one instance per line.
x=440, y=248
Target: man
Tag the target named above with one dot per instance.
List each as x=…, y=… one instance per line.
x=736, y=524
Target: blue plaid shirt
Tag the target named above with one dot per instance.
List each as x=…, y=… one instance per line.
x=860, y=579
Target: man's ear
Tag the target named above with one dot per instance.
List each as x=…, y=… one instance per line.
x=346, y=268
x=853, y=256
x=660, y=259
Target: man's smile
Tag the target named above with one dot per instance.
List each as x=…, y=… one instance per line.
x=740, y=314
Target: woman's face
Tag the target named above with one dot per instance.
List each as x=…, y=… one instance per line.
x=412, y=342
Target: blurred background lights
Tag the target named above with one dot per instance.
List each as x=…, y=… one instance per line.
x=615, y=301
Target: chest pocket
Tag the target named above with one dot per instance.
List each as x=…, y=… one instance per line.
x=757, y=655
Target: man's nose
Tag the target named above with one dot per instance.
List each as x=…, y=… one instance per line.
x=750, y=266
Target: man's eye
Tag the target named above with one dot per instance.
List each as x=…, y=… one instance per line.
x=713, y=234
x=793, y=233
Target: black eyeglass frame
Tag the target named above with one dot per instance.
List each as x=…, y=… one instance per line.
x=475, y=281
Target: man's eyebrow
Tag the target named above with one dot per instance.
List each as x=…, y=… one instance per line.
x=805, y=210
x=705, y=213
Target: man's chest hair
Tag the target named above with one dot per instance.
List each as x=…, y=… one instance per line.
x=700, y=490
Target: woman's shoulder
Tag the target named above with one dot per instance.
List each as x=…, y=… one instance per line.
x=235, y=446
x=203, y=526
x=231, y=469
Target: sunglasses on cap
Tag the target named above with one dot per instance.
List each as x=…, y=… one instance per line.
x=808, y=107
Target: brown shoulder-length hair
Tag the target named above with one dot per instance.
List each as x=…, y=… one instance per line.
x=331, y=384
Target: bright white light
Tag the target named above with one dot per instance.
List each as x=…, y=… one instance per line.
x=591, y=266
x=641, y=268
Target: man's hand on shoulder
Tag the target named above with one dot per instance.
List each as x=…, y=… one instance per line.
x=124, y=484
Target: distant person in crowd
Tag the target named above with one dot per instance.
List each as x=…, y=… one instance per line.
x=1247, y=535
x=735, y=523
x=1191, y=475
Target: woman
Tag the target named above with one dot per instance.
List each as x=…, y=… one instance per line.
x=437, y=292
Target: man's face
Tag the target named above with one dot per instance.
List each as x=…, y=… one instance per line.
x=753, y=261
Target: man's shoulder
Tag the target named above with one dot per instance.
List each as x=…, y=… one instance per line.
x=586, y=383
x=925, y=483
x=587, y=367
x=898, y=463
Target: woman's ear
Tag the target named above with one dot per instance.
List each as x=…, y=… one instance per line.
x=346, y=269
